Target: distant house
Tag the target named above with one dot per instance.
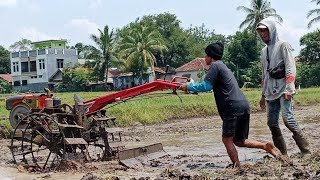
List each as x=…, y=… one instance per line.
x=125, y=80
x=161, y=73
x=194, y=69
x=6, y=77
x=41, y=67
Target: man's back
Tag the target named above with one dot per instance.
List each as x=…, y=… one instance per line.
x=229, y=97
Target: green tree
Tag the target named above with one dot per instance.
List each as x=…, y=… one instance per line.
x=106, y=43
x=309, y=58
x=242, y=51
x=315, y=13
x=22, y=45
x=259, y=10
x=199, y=38
x=75, y=79
x=5, y=86
x=4, y=61
x=174, y=37
x=252, y=76
x=310, y=53
x=142, y=43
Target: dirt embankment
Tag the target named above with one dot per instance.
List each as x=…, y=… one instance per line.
x=196, y=152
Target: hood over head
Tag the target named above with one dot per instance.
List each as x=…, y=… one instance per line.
x=273, y=34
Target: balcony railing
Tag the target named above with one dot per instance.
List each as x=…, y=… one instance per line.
x=33, y=53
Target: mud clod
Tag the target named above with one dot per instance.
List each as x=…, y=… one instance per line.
x=301, y=174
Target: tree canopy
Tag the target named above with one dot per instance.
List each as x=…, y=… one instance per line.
x=22, y=45
x=259, y=10
x=4, y=61
x=315, y=13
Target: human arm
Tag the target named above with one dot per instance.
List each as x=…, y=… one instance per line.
x=290, y=68
x=203, y=86
x=262, y=102
x=206, y=84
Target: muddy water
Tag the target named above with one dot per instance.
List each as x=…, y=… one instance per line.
x=191, y=143
x=202, y=136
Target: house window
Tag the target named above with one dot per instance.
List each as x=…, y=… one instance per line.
x=15, y=66
x=40, y=76
x=34, y=77
x=59, y=63
x=33, y=66
x=41, y=64
x=16, y=83
x=24, y=82
x=24, y=67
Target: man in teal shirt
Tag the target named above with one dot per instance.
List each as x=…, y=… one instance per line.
x=232, y=105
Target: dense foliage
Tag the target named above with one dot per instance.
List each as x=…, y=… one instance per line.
x=160, y=40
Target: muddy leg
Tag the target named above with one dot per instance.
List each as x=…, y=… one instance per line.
x=291, y=123
x=269, y=147
x=231, y=150
x=273, y=111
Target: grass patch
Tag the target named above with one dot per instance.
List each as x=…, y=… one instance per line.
x=161, y=109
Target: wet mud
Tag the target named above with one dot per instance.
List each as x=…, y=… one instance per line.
x=195, y=151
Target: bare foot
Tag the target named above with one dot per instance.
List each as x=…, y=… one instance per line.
x=270, y=148
x=285, y=159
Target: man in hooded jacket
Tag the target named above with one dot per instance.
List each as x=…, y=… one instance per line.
x=278, y=88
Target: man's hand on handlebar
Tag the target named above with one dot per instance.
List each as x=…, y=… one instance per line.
x=184, y=87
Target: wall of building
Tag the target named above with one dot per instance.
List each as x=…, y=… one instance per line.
x=37, y=78
x=36, y=87
x=69, y=60
x=192, y=74
x=54, y=44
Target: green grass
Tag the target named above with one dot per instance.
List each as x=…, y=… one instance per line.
x=161, y=109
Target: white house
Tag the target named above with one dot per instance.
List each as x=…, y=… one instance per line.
x=194, y=69
x=41, y=67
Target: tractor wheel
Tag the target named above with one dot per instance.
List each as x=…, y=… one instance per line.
x=46, y=142
x=16, y=115
x=39, y=143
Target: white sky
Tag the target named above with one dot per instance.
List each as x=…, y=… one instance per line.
x=75, y=20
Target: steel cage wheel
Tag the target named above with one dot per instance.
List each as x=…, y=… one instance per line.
x=46, y=143
x=20, y=145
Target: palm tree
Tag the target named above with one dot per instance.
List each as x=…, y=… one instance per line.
x=22, y=45
x=314, y=12
x=142, y=43
x=260, y=9
x=105, y=42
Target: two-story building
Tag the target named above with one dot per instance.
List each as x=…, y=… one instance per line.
x=41, y=67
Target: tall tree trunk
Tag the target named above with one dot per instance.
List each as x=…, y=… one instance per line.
x=153, y=72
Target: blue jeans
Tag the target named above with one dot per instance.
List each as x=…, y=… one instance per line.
x=286, y=107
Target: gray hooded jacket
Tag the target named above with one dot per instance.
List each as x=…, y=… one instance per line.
x=279, y=51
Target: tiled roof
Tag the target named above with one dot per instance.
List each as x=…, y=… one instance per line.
x=194, y=65
x=113, y=72
x=6, y=77
x=159, y=70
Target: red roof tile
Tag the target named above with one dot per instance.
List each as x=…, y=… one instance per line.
x=158, y=69
x=6, y=77
x=113, y=72
x=194, y=65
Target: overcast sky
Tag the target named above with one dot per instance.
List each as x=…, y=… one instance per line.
x=75, y=20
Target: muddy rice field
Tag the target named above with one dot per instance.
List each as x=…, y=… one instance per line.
x=194, y=151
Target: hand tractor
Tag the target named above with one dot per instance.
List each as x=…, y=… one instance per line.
x=46, y=131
